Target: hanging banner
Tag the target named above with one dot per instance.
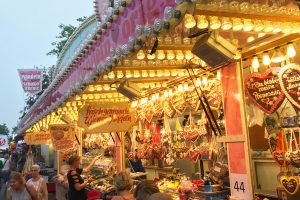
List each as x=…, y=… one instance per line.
x=31, y=80
x=43, y=137
x=106, y=117
x=3, y=142
x=63, y=136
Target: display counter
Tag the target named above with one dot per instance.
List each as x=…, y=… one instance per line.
x=157, y=172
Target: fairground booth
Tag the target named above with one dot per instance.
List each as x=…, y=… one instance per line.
x=205, y=93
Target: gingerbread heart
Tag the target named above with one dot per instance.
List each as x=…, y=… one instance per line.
x=149, y=111
x=264, y=90
x=168, y=108
x=192, y=100
x=290, y=184
x=279, y=157
x=295, y=158
x=140, y=114
x=158, y=108
x=213, y=93
x=289, y=77
x=178, y=102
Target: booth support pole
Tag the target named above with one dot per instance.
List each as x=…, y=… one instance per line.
x=235, y=123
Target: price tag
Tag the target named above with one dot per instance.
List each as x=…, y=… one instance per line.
x=240, y=186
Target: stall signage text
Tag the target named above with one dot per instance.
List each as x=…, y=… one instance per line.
x=39, y=138
x=63, y=136
x=105, y=118
x=31, y=80
x=264, y=90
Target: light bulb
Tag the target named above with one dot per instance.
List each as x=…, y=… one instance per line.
x=140, y=55
x=144, y=74
x=188, y=55
x=278, y=56
x=260, y=35
x=237, y=24
x=189, y=21
x=136, y=74
x=167, y=73
x=128, y=74
x=198, y=82
x=202, y=22
x=286, y=28
x=166, y=94
x=186, y=87
x=157, y=95
x=255, y=63
x=266, y=59
x=161, y=55
x=258, y=26
x=150, y=57
x=226, y=23
x=268, y=27
x=291, y=52
x=170, y=55
x=219, y=75
x=170, y=92
x=153, y=98
x=179, y=55
x=248, y=25
x=111, y=75
x=180, y=88
x=204, y=80
x=250, y=39
x=277, y=27
x=215, y=23
x=120, y=74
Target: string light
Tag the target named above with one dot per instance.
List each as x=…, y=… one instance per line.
x=258, y=26
x=179, y=55
x=150, y=57
x=215, y=23
x=188, y=55
x=202, y=22
x=278, y=56
x=189, y=21
x=219, y=75
x=170, y=55
x=166, y=94
x=237, y=24
x=291, y=52
x=170, y=92
x=140, y=55
x=266, y=59
x=186, y=87
x=226, y=23
x=255, y=63
x=248, y=25
x=161, y=55
x=204, y=80
x=180, y=88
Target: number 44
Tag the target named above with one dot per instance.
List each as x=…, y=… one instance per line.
x=239, y=187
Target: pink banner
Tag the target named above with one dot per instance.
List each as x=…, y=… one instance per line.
x=139, y=12
x=31, y=80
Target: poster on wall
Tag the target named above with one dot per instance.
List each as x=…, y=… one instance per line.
x=43, y=137
x=264, y=90
x=106, y=117
x=3, y=142
x=31, y=80
x=289, y=77
x=63, y=136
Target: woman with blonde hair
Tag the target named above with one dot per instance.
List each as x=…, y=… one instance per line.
x=19, y=190
x=38, y=182
x=123, y=184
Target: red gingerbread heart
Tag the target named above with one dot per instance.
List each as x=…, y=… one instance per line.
x=289, y=77
x=213, y=93
x=279, y=157
x=264, y=90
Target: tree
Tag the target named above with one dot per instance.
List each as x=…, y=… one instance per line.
x=4, y=129
x=65, y=33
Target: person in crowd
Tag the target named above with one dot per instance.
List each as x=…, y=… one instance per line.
x=123, y=184
x=6, y=169
x=136, y=163
x=145, y=189
x=38, y=182
x=19, y=190
x=160, y=196
x=21, y=161
x=76, y=182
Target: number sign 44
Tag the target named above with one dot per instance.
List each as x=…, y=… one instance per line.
x=240, y=186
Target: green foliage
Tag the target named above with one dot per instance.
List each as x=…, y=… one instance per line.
x=4, y=129
x=65, y=33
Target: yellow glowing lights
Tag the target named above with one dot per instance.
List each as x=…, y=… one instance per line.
x=266, y=59
x=248, y=25
x=278, y=56
x=140, y=55
x=226, y=23
x=237, y=24
x=161, y=55
x=219, y=75
x=189, y=21
x=202, y=22
x=180, y=88
x=255, y=63
x=186, y=87
x=170, y=55
x=291, y=52
x=215, y=23
x=204, y=80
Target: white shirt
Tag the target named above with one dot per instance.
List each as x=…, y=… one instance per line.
x=6, y=167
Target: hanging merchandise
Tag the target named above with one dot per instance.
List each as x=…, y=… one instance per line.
x=191, y=98
x=279, y=153
x=213, y=93
x=290, y=82
x=193, y=153
x=264, y=90
x=158, y=108
x=190, y=130
x=220, y=169
x=293, y=154
x=290, y=184
x=149, y=111
x=168, y=108
x=178, y=103
x=140, y=112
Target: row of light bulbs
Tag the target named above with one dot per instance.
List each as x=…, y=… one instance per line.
x=182, y=87
x=169, y=55
x=277, y=57
x=238, y=24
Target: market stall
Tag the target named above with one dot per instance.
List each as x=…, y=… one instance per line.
x=177, y=87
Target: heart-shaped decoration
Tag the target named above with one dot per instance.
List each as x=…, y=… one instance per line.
x=289, y=77
x=178, y=102
x=158, y=108
x=168, y=108
x=192, y=100
x=295, y=158
x=149, y=111
x=213, y=93
x=264, y=90
x=279, y=157
x=290, y=184
x=140, y=113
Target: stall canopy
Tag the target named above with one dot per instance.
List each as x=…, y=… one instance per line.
x=120, y=50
